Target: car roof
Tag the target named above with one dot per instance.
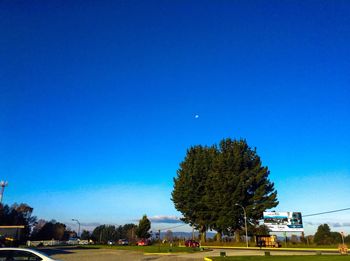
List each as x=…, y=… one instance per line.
x=25, y=249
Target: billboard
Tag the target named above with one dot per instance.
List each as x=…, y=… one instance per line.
x=283, y=221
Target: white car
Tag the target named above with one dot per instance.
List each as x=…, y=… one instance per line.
x=13, y=254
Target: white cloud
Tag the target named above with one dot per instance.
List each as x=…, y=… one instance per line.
x=165, y=219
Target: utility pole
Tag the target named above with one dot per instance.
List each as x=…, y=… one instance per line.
x=3, y=184
x=342, y=237
x=78, y=226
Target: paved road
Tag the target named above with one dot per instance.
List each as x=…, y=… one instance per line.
x=72, y=254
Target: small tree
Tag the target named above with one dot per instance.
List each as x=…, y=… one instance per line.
x=169, y=235
x=347, y=239
x=85, y=235
x=143, y=228
x=262, y=230
x=323, y=235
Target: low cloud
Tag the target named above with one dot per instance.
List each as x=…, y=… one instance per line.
x=336, y=225
x=165, y=219
x=331, y=224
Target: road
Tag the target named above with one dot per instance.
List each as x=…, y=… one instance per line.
x=73, y=254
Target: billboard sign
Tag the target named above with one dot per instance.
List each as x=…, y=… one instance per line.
x=283, y=221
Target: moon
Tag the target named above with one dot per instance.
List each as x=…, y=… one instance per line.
x=196, y=116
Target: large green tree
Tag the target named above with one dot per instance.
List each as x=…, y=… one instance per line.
x=212, y=180
x=239, y=179
x=190, y=194
x=142, y=230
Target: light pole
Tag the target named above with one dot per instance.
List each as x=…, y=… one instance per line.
x=342, y=237
x=3, y=184
x=245, y=223
x=78, y=225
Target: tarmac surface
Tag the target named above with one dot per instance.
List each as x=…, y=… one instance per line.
x=76, y=254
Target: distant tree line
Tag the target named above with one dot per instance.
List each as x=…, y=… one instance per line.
x=48, y=230
x=104, y=233
x=21, y=215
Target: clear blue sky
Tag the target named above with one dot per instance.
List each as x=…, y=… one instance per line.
x=98, y=101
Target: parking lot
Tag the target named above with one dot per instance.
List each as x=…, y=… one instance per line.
x=74, y=254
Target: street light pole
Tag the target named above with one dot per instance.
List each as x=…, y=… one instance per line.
x=342, y=237
x=245, y=223
x=78, y=225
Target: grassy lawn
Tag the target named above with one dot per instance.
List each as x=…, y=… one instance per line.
x=283, y=258
x=149, y=249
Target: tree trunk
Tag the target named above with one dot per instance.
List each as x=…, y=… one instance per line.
x=219, y=236
x=237, y=236
x=203, y=232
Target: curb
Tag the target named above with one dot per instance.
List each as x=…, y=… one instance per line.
x=208, y=259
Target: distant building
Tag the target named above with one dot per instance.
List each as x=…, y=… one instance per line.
x=10, y=235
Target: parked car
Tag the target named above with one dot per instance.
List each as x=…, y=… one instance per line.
x=11, y=253
x=143, y=242
x=110, y=242
x=191, y=243
x=123, y=242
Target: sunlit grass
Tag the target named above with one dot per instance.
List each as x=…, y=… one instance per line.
x=283, y=258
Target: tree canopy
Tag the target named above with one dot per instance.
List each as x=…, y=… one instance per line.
x=104, y=233
x=324, y=236
x=211, y=180
x=142, y=231
x=51, y=230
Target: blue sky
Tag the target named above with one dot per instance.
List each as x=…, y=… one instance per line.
x=98, y=101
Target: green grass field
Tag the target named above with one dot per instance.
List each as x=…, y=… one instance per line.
x=283, y=258
x=149, y=249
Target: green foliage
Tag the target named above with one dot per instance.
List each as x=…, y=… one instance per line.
x=51, y=230
x=347, y=239
x=324, y=236
x=190, y=194
x=127, y=232
x=104, y=233
x=262, y=230
x=211, y=180
x=142, y=231
x=85, y=235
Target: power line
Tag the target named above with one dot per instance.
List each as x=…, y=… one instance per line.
x=167, y=228
x=327, y=212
